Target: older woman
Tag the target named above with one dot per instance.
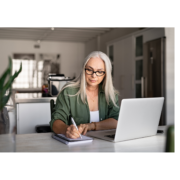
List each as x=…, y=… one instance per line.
x=90, y=99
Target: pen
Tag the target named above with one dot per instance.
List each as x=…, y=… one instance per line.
x=72, y=120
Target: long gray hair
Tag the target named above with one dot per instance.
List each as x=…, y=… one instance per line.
x=107, y=84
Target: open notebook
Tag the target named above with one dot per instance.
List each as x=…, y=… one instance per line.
x=62, y=138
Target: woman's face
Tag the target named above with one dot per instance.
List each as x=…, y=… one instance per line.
x=94, y=64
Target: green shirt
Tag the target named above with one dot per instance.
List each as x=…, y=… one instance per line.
x=67, y=106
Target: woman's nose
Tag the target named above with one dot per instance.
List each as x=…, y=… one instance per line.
x=94, y=74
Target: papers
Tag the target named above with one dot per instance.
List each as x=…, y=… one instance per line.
x=62, y=138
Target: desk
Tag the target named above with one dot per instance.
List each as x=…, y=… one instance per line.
x=7, y=143
x=43, y=142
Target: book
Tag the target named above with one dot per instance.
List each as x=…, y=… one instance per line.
x=62, y=138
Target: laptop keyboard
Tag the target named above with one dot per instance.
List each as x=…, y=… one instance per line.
x=111, y=136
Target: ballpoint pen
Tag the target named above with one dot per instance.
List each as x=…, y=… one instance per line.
x=72, y=120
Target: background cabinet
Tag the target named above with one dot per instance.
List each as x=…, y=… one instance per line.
x=30, y=114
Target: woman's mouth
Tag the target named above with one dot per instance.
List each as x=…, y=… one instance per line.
x=93, y=81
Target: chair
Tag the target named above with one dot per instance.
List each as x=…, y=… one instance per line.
x=45, y=128
x=52, y=105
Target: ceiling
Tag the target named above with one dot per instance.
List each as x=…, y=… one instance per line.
x=52, y=34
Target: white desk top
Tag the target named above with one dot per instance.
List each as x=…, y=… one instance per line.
x=43, y=142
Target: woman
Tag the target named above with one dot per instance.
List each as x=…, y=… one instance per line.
x=90, y=99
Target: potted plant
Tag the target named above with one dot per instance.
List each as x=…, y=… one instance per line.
x=6, y=81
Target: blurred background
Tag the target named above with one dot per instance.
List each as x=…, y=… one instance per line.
x=142, y=60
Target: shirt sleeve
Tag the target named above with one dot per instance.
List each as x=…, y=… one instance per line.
x=113, y=110
x=61, y=109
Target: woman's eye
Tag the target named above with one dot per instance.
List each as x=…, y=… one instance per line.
x=100, y=72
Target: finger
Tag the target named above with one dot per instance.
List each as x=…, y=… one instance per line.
x=85, y=130
x=68, y=129
x=71, y=132
x=67, y=134
x=74, y=132
x=81, y=128
x=72, y=136
x=84, y=127
x=72, y=128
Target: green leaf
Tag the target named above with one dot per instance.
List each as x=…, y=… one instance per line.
x=10, y=64
x=5, y=74
x=8, y=85
x=11, y=79
x=4, y=100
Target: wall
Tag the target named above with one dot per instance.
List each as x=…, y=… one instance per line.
x=121, y=55
x=91, y=46
x=95, y=44
x=124, y=69
x=124, y=59
x=72, y=54
x=169, y=68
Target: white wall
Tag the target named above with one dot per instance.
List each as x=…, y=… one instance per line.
x=124, y=68
x=169, y=68
x=72, y=54
x=114, y=34
x=99, y=43
x=91, y=46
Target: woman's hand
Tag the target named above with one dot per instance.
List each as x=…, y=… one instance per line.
x=83, y=128
x=72, y=132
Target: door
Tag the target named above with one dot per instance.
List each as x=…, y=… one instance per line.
x=153, y=80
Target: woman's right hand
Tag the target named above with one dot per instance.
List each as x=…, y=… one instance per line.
x=72, y=132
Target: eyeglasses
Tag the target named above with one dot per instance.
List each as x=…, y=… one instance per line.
x=91, y=72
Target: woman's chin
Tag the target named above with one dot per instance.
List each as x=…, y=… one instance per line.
x=92, y=84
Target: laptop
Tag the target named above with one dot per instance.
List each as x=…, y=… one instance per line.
x=138, y=118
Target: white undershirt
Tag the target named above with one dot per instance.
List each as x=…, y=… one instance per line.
x=94, y=116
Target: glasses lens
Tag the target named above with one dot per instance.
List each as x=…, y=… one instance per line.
x=89, y=71
x=99, y=73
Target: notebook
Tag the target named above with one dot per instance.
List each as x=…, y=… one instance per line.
x=62, y=138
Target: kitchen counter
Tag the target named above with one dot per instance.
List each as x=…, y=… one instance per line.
x=31, y=113
x=36, y=100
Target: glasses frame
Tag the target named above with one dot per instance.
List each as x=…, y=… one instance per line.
x=95, y=72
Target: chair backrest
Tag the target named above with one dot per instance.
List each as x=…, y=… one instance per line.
x=52, y=105
x=45, y=128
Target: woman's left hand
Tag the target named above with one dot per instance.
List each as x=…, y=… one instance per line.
x=83, y=128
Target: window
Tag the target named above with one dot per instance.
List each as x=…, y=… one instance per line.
x=40, y=69
x=34, y=73
x=139, y=69
x=139, y=46
x=138, y=64
x=28, y=76
x=111, y=56
x=27, y=79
